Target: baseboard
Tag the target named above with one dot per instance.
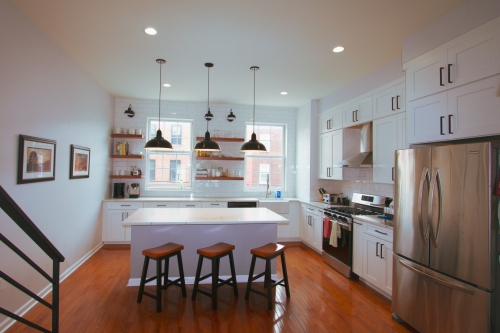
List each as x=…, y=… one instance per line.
x=380, y=291
x=288, y=239
x=8, y=322
x=135, y=282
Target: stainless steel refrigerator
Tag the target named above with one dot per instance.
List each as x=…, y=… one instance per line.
x=446, y=238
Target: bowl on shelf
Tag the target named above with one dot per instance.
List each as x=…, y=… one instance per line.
x=216, y=153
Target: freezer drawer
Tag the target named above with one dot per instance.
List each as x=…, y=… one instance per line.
x=432, y=302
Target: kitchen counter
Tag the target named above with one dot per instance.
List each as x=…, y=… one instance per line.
x=175, y=199
x=373, y=219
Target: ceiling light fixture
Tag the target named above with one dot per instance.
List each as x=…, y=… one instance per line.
x=253, y=145
x=150, y=31
x=338, y=49
x=159, y=143
x=231, y=116
x=129, y=111
x=168, y=85
x=208, y=144
x=284, y=93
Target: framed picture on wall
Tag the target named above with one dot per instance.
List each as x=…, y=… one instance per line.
x=80, y=162
x=36, y=160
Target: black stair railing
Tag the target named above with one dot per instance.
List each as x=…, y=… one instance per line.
x=24, y=222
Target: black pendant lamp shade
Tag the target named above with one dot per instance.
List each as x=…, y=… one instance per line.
x=129, y=111
x=207, y=144
x=159, y=143
x=253, y=145
x=231, y=116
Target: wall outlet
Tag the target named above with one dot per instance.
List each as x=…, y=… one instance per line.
x=2, y=284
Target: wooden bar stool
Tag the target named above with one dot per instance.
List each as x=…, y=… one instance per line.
x=163, y=252
x=214, y=253
x=268, y=252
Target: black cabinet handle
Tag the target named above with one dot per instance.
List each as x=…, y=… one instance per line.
x=381, y=254
x=376, y=249
x=392, y=104
x=392, y=173
x=441, y=124
x=380, y=232
x=449, y=123
x=125, y=205
x=449, y=73
x=161, y=205
x=353, y=116
x=441, y=76
x=356, y=115
x=357, y=223
x=397, y=102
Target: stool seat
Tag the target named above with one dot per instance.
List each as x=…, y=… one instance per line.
x=215, y=250
x=162, y=250
x=268, y=250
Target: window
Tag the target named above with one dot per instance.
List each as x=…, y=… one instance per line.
x=170, y=169
x=261, y=164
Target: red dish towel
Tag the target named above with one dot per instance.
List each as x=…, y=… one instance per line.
x=327, y=227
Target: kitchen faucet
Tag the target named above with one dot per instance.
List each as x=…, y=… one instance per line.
x=268, y=192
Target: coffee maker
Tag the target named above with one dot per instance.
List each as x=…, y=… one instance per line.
x=118, y=190
x=133, y=190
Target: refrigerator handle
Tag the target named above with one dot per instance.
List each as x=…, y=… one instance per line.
x=429, y=274
x=424, y=178
x=435, y=233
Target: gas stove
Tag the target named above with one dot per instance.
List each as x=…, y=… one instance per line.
x=364, y=204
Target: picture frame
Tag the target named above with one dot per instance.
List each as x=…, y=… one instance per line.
x=36, y=160
x=79, y=162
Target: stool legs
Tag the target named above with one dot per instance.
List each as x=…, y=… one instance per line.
x=215, y=282
x=233, y=273
x=143, y=279
x=197, y=278
x=158, y=285
x=269, y=284
x=285, y=275
x=250, y=275
x=181, y=274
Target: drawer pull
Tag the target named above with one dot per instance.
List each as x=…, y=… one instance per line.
x=214, y=204
x=358, y=223
x=380, y=232
x=125, y=205
x=190, y=205
x=161, y=205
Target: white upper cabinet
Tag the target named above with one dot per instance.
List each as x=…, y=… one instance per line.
x=473, y=56
x=331, y=120
x=358, y=112
x=389, y=101
x=334, y=147
x=426, y=117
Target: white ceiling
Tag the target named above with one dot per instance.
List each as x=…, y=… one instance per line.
x=290, y=40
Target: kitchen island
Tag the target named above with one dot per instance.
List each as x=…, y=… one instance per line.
x=195, y=228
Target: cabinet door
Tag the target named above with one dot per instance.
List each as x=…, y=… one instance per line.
x=284, y=229
x=358, y=112
x=373, y=268
x=337, y=118
x=386, y=102
x=325, y=122
x=426, y=119
x=474, y=59
x=428, y=76
x=161, y=204
x=385, y=143
x=189, y=204
x=317, y=231
x=325, y=157
x=474, y=109
x=357, y=248
x=401, y=97
x=386, y=256
x=303, y=223
x=337, y=154
x=115, y=231
x=402, y=144
x=210, y=204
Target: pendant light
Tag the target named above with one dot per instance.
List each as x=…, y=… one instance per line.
x=208, y=144
x=253, y=145
x=159, y=143
x=231, y=116
x=129, y=112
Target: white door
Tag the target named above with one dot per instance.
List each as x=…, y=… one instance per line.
x=474, y=109
x=386, y=255
x=426, y=119
x=373, y=268
x=337, y=138
x=385, y=103
x=317, y=231
x=428, y=76
x=358, y=112
x=385, y=143
x=337, y=118
x=325, y=157
x=115, y=231
x=402, y=131
x=474, y=59
x=357, y=248
x=325, y=122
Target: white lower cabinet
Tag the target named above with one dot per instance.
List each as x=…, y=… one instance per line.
x=217, y=204
x=377, y=261
x=357, y=247
x=190, y=204
x=311, y=227
x=113, y=215
x=161, y=204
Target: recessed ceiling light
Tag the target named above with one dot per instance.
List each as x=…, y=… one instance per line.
x=284, y=93
x=150, y=31
x=167, y=85
x=338, y=49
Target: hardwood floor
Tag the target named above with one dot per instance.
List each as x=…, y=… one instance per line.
x=95, y=299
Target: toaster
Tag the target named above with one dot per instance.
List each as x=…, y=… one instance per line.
x=329, y=198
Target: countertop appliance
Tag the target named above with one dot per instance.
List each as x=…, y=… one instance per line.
x=330, y=198
x=446, y=237
x=338, y=252
x=133, y=190
x=118, y=190
x=242, y=204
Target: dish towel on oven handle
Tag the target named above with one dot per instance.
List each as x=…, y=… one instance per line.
x=327, y=227
x=335, y=234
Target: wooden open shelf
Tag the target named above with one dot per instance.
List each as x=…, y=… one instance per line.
x=199, y=138
x=219, y=178
x=220, y=158
x=127, y=156
x=126, y=177
x=128, y=136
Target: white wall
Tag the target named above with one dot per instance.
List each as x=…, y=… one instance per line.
x=456, y=22
x=43, y=93
x=303, y=151
x=195, y=111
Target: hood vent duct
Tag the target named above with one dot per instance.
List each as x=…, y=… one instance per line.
x=364, y=159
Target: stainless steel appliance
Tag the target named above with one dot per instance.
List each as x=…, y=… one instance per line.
x=338, y=252
x=133, y=190
x=446, y=238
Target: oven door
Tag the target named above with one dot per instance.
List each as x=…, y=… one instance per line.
x=340, y=248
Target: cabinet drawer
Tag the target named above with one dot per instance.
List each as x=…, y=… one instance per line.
x=379, y=232
x=190, y=204
x=161, y=204
x=214, y=204
x=126, y=205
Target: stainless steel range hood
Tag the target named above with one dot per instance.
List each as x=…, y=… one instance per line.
x=364, y=158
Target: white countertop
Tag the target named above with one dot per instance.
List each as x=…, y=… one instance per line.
x=373, y=219
x=166, y=216
x=176, y=199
